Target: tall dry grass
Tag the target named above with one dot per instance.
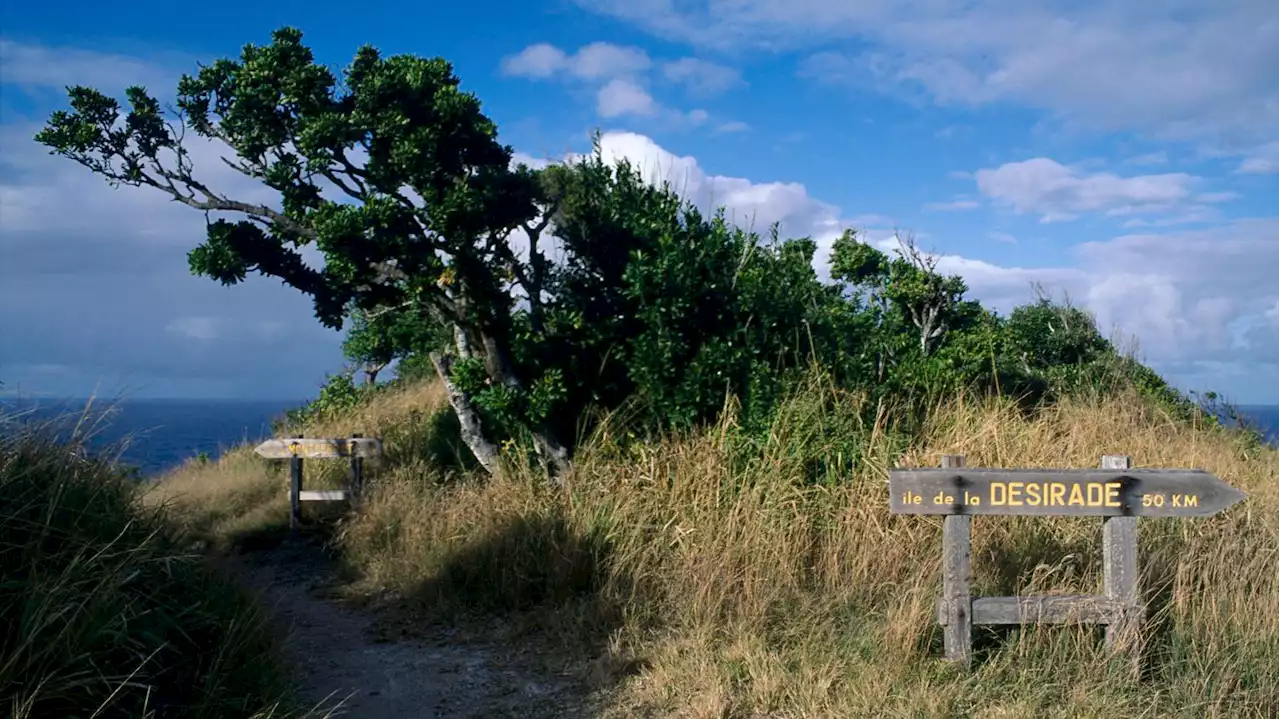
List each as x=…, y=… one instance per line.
x=241, y=499
x=102, y=613
x=706, y=576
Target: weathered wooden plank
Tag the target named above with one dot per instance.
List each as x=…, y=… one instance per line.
x=295, y=490
x=316, y=448
x=1088, y=609
x=1120, y=571
x=1111, y=492
x=324, y=495
x=357, y=473
x=957, y=575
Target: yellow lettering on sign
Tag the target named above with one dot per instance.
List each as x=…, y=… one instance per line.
x=1113, y=494
x=1015, y=494
x=1094, y=492
x=1034, y=494
x=1051, y=494
x=1057, y=494
x=1077, y=497
x=293, y=448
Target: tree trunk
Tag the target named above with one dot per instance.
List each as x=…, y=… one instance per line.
x=499, y=367
x=486, y=452
x=555, y=454
x=494, y=350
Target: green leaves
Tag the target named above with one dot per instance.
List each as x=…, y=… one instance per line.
x=397, y=178
x=417, y=165
x=224, y=255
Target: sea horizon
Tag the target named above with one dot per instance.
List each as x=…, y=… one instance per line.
x=159, y=434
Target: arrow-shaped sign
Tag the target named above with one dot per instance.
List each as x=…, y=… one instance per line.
x=1069, y=492
x=315, y=448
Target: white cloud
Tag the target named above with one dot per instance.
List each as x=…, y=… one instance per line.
x=732, y=127
x=953, y=205
x=1056, y=192
x=620, y=78
x=1194, y=70
x=1262, y=161
x=538, y=61
x=622, y=97
x=701, y=76
x=1272, y=314
x=44, y=66
x=749, y=204
x=601, y=60
x=597, y=61
x=522, y=158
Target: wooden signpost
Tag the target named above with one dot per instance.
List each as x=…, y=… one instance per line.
x=1115, y=491
x=295, y=449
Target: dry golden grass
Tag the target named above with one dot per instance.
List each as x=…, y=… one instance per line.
x=699, y=578
x=242, y=496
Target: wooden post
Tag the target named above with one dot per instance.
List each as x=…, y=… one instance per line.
x=295, y=490
x=1120, y=572
x=956, y=577
x=357, y=474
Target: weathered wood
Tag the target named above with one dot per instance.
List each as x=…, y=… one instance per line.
x=1120, y=572
x=357, y=473
x=320, y=448
x=956, y=578
x=1113, y=491
x=1088, y=609
x=295, y=491
x=324, y=495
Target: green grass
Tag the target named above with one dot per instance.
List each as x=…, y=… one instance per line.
x=102, y=613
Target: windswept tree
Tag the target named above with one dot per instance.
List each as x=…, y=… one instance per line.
x=536, y=296
x=392, y=172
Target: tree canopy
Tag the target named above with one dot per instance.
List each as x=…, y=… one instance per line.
x=539, y=296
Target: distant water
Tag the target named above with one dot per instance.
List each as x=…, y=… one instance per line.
x=162, y=434
x=1264, y=418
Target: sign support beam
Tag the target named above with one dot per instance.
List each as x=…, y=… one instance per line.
x=1115, y=491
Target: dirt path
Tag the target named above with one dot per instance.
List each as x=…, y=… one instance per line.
x=340, y=657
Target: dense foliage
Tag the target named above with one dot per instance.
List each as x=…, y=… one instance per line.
x=544, y=296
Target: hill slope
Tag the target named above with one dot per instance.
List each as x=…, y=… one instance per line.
x=710, y=575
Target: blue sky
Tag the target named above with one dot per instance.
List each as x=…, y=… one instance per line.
x=1121, y=153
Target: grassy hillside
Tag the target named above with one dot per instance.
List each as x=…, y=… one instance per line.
x=709, y=575
x=103, y=614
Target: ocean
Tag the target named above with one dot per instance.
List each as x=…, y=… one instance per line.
x=1264, y=418
x=160, y=434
